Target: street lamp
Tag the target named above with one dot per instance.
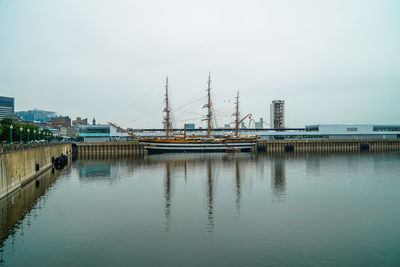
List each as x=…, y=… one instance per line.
x=28, y=134
x=20, y=134
x=11, y=127
x=34, y=136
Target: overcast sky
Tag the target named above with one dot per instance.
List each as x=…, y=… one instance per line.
x=331, y=61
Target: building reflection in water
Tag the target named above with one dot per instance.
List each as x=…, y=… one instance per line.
x=105, y=169
x=278, y=179
x=313, y=166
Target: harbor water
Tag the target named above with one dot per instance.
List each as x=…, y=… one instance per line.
x=209, y=210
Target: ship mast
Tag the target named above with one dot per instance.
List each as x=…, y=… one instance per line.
x=237, y=114
x=238, y=121
x=167, y=117
x=208, y=106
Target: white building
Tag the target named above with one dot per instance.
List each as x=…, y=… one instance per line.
x=102, y=133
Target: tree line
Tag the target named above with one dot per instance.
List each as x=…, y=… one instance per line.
x=34, y=134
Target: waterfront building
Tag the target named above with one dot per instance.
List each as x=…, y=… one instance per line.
x=6, y=107
x=277, y=114
x=79, y=121
x=42, y=116
x=61, y=121
x=102, y=133
x=335, y=132
x=310, y=132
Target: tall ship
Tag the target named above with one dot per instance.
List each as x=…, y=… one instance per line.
x=172, y=143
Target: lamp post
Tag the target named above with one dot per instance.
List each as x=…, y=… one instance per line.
x=11, y=127
x=20, y=134
x=34, y=136
x=28, y=134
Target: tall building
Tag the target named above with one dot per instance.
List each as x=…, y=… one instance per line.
x=37, y=115
x=277, y=114
x=6, y=107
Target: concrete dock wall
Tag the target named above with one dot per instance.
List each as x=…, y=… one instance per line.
x=109, y=148
x=19, y=164
x=350, y=145
x=328, y=145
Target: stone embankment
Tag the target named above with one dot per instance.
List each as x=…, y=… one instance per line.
x=20, y=164
x=350, y=145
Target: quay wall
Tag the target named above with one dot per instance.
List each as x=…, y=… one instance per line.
x=344, y=145
x=348, y=145
x=20, y=164
x=108, y=148
x=16, y=206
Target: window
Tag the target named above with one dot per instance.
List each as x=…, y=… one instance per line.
x=352, y=129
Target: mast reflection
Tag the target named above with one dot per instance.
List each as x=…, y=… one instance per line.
x=238, y=186
x=278, y=179
x=186, y=162
x=210, y=197
x=167, y=196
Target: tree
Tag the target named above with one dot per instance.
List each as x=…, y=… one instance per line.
x=5, y=131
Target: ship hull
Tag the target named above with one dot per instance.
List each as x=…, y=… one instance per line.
x=203, y=147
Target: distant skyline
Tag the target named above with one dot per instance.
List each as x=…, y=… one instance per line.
x=332, y=62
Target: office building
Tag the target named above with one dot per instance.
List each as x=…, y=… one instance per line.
x=277, y=113
x=42, y=116
x=6, y=107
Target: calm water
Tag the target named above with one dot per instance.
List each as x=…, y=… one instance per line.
x=209, y=210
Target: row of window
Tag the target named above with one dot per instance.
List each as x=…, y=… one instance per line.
x=297, y=137
x=386, y=128
x=95, y=130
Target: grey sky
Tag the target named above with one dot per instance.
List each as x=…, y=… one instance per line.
x=331, y=61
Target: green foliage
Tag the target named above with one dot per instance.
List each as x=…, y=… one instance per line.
x=5, y=132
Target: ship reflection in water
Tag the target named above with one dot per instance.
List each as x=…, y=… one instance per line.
x=242, y=168
x=210, y=167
